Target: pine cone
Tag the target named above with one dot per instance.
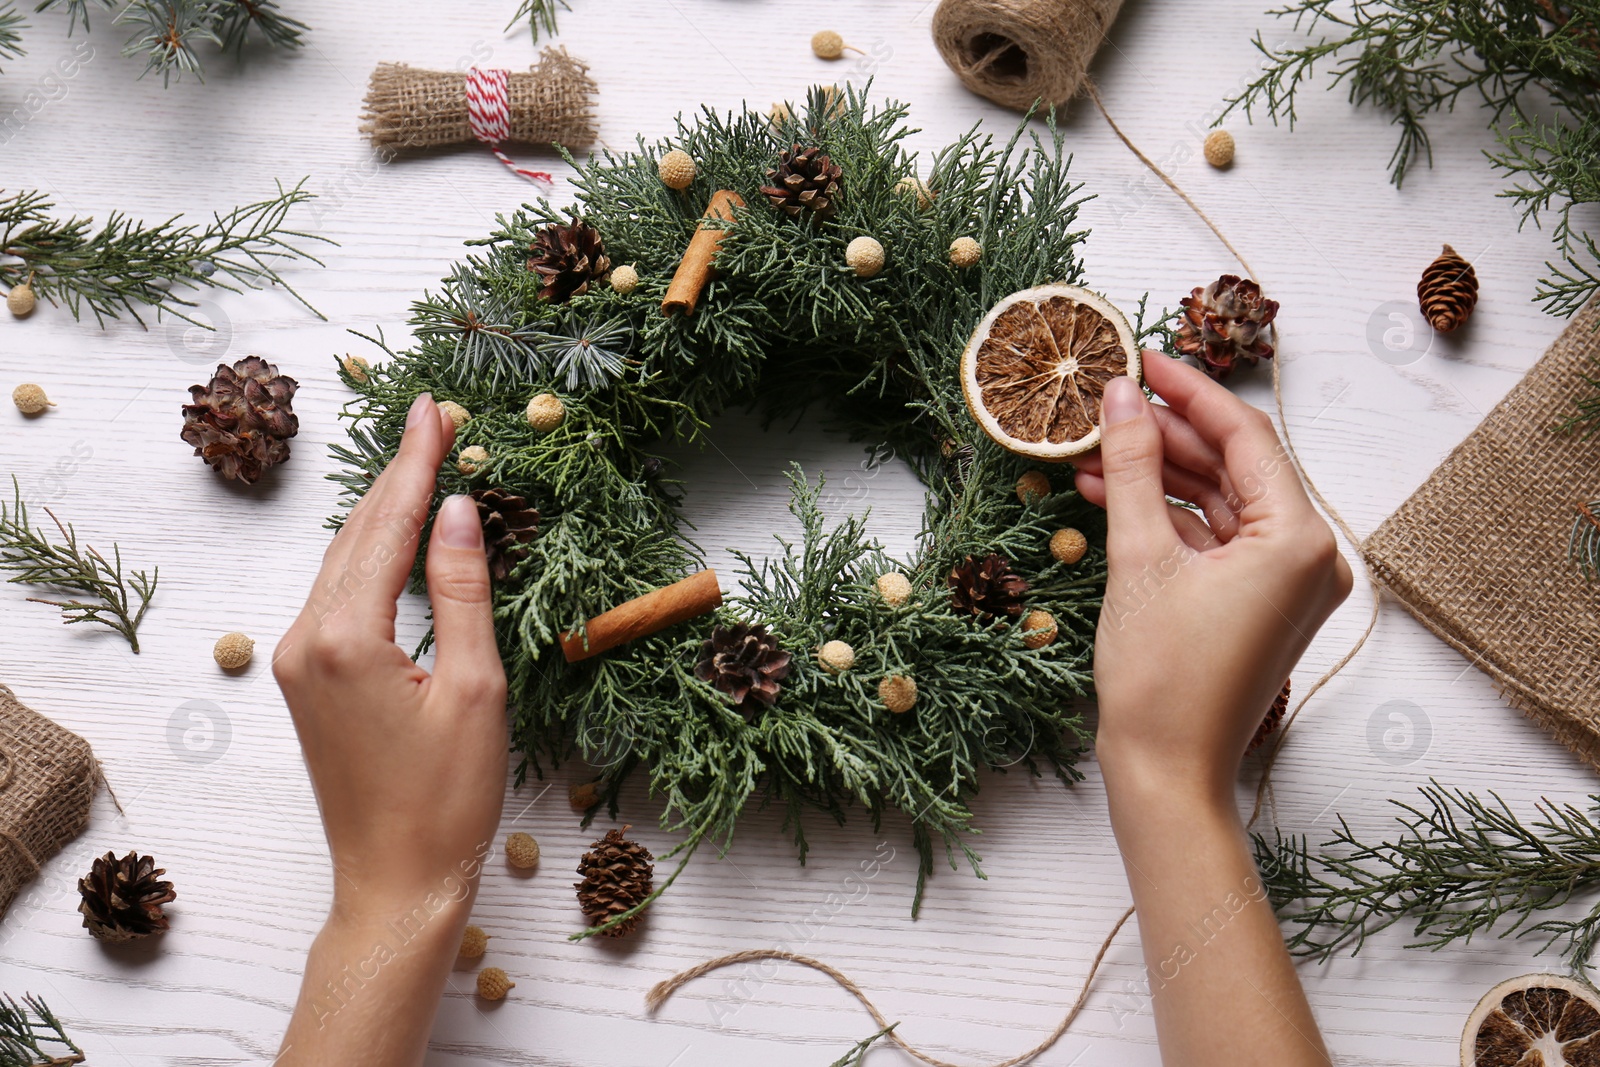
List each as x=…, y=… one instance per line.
x=804, y=181
x=1274, y=717
x=616, y=876
x=241, y=423
x=509, y=524
x=986, y=587
x=744, y=662
x=567, y=258
x=1448, y=291
x=122, y=898
x=1226, y=323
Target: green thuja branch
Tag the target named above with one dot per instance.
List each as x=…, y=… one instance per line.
x=1460, y=866
x=32, y=1036
x=124, y=264
x=28, y=553
x=540, y=16
x=856, y=1055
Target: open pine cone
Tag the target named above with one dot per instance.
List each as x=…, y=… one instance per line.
x=1274, y=717
x=509, y=525
x=744, y=662
x=617, y=875
x=122, y=898
x=1448, y=291
x=1226, y=323
x=242, y=421
x=987, y=586
x=805, y=181
x=567, y=258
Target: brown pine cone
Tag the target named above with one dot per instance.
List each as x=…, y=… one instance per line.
x=122, y=898
x=241, y=422
x=1274, y=716
x=509, y=525
x=617, y=875
x=987, y=586
x=567, y=258
x=1448, y=291
x=744, y=662
x=1226, y=323
x=805, y=182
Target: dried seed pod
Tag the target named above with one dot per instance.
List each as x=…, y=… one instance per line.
x=677, y=169
x=1038, y=629
x=30, y=399
x=359, y=370
x=836, y=657
x=546, y=412
x=898, y=693
x=494, y=984
x=21, y=301
x=1219, y=148
x=1068, y=545
x=458, y=415
x=865, y=256
x=472, y=459
x=965, y=252
x=827, y=44
x=474, y=943
x=624, y=280
x=233, y=651
x=522, y=851
x=1033, y=487
x=895, y=588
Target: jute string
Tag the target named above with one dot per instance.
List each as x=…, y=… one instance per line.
x=1021, y=52
x=663, y=990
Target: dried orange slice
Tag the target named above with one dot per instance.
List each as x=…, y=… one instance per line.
x=1538, y=1020
x=1036, y=369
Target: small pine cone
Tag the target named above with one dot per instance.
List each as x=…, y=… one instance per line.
x=474, y=943
x=1226, y=323
x=1273, y=719
x=744, y=662
x=1448, y=291
x=240, y=423
x=567, y=258
x=494, y=984
x=122, y=899
x=522, y=851
x=509, y=524
x=805, y=182
x=617, y=875
x=986, y=587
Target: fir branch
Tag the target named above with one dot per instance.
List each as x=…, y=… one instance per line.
x=1583, y=545
x=77, y=10
x=28, y=553
x=1460, y=866
x=166, y=33
x=858, y=1054
x=125, y=263
x=540, y=16
x=32, y=1036
x=236, y=18
x=11, y=25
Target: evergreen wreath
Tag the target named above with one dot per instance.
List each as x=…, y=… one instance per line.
x=788, y=325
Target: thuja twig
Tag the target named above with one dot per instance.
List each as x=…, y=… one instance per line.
x=27, y=1029
x=1460, y=866
x=854, y=1057
x=126, y=263
x=540, y=14
x=28, y=553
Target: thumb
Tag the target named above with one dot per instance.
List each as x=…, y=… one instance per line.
x=1131, y=455
x=468, y=661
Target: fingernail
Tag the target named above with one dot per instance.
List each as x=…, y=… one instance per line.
x=419, y=408
x=1124, y=400
x=457, y=525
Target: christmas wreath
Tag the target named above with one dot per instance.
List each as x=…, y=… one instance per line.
x=846, y=286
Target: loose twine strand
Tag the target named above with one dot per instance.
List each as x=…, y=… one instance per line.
x=662, y=990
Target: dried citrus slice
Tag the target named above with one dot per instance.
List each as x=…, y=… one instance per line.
x=1538, y=1020
x=1036, y=369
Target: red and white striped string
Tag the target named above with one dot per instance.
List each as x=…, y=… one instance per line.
x=489, y=116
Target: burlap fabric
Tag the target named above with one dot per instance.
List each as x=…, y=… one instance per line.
x=553, y=103
x=1021, y=52
x=46, y=783
x=1479, y=553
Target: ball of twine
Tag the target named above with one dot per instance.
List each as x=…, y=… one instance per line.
x=1016, y=52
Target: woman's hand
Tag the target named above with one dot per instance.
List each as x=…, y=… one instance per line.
x=409, y=768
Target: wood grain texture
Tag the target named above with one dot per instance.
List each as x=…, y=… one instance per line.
x=991, y=964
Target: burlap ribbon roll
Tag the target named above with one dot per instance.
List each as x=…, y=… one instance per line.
x=1019, y=52
x=47, y=780
x=1479, y=552
x=551, y=103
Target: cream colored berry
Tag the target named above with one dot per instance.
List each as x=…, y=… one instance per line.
x=583, y=795
x=624, y=280
x=474, y=943
x=473, y=458
x=677, y=169
x=965, y=252
x=827, y=44
x=865, y=257
x=1038, y=629
x=457, y=414
x=1068, y=545
x=21, y=301
x=915, y=186
x=546, y=412
x=359, y=370
x=836, y=657
x=30, y=399
x=1219, y=148
x=494, y=984
x=522, y=851
x=233, y=651
x=898, y=693
x=895, y=588
x=1032, y=487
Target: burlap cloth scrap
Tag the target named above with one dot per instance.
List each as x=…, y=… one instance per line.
x=47, y=779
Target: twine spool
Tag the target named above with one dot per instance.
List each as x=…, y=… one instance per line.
x=1022, y=52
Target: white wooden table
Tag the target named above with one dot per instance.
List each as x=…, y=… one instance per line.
x=988, y=968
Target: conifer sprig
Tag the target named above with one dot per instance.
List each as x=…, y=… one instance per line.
x=28, y=553
x=125, y=265
x=11, y=25
x=540, y=16
x=32, y=1036
x=857, y=1055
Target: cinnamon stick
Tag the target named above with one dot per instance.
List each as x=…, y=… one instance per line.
x=696, y=268
x=641, y=616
